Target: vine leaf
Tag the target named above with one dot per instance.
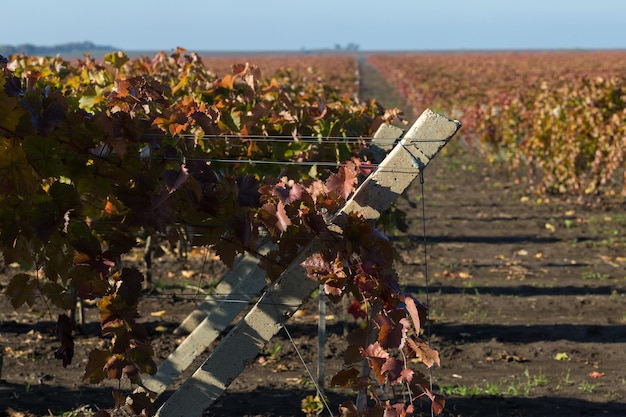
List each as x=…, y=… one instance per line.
x=412, y=308
x=248, y=187
x=377, y=357
x=114, y=366
x=345, y=378
x=438, y=403
x=58, y=294
x=141, y=404
x=174, y=179
x=344, y=180
x=275, y=218
x=348, y=409
x=391, y=334
x=356, y=310
x=425, y=354
x=394, y=410
x=393, y=368
x=64, y=330
x=21, y=289
x=94, y=370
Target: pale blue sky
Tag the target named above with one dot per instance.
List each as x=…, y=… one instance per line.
x=242, y=25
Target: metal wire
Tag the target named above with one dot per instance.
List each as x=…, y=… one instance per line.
x=319, y=140
x=308, y=371
x=430, y=370
x=308, y=164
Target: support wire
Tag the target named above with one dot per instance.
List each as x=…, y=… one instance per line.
x=308, y=371
x=430, y=370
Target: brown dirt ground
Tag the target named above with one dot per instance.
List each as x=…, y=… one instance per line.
x=526, y=295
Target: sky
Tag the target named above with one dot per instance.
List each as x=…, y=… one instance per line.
x=277, y=25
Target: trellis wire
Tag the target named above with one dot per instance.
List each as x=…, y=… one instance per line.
x=320, y=140
x=319, y=391
x=183, y=159
x=430, y=370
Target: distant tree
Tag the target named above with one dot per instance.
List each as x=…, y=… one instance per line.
x=349, y=47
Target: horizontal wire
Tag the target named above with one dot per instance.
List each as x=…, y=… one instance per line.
x=308, y=164
x=285, y=138
x=327, y=140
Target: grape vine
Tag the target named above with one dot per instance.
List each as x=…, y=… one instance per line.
x=94, y=153
x=555, y=119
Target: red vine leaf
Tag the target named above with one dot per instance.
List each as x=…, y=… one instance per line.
x=377, y=357
x=64, y=330
x=407, y=375
x=348, y=409
x=438, y=403
x=275, y=218
x=114, y=365
x=141, y=404
x=412, y=308
x=356, y=310
x=318, y=112
x=352, y=354
x=394, y=410
x=393, y=368
x=344, y=181
x=390, y=333
x=175, y=178
x=425, y=354
x=345, y=378
x=288, y=195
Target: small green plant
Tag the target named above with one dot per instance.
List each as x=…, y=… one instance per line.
x=80, y=412
x=567, y=379
x=540, y=380
x=492, y=389
x=273, y=353
x=596, y=275
x=612, y=395
x=588, y=387
x=461, y=390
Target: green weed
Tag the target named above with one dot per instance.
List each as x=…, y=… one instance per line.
x=588, y=387
x=596, y=275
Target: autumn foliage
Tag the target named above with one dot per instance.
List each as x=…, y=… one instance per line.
x=553, y=118
x=94, y=153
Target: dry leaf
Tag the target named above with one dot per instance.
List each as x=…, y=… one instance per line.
x=187, y=273
x=160, y=313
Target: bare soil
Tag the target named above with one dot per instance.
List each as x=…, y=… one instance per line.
x=527, y=309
